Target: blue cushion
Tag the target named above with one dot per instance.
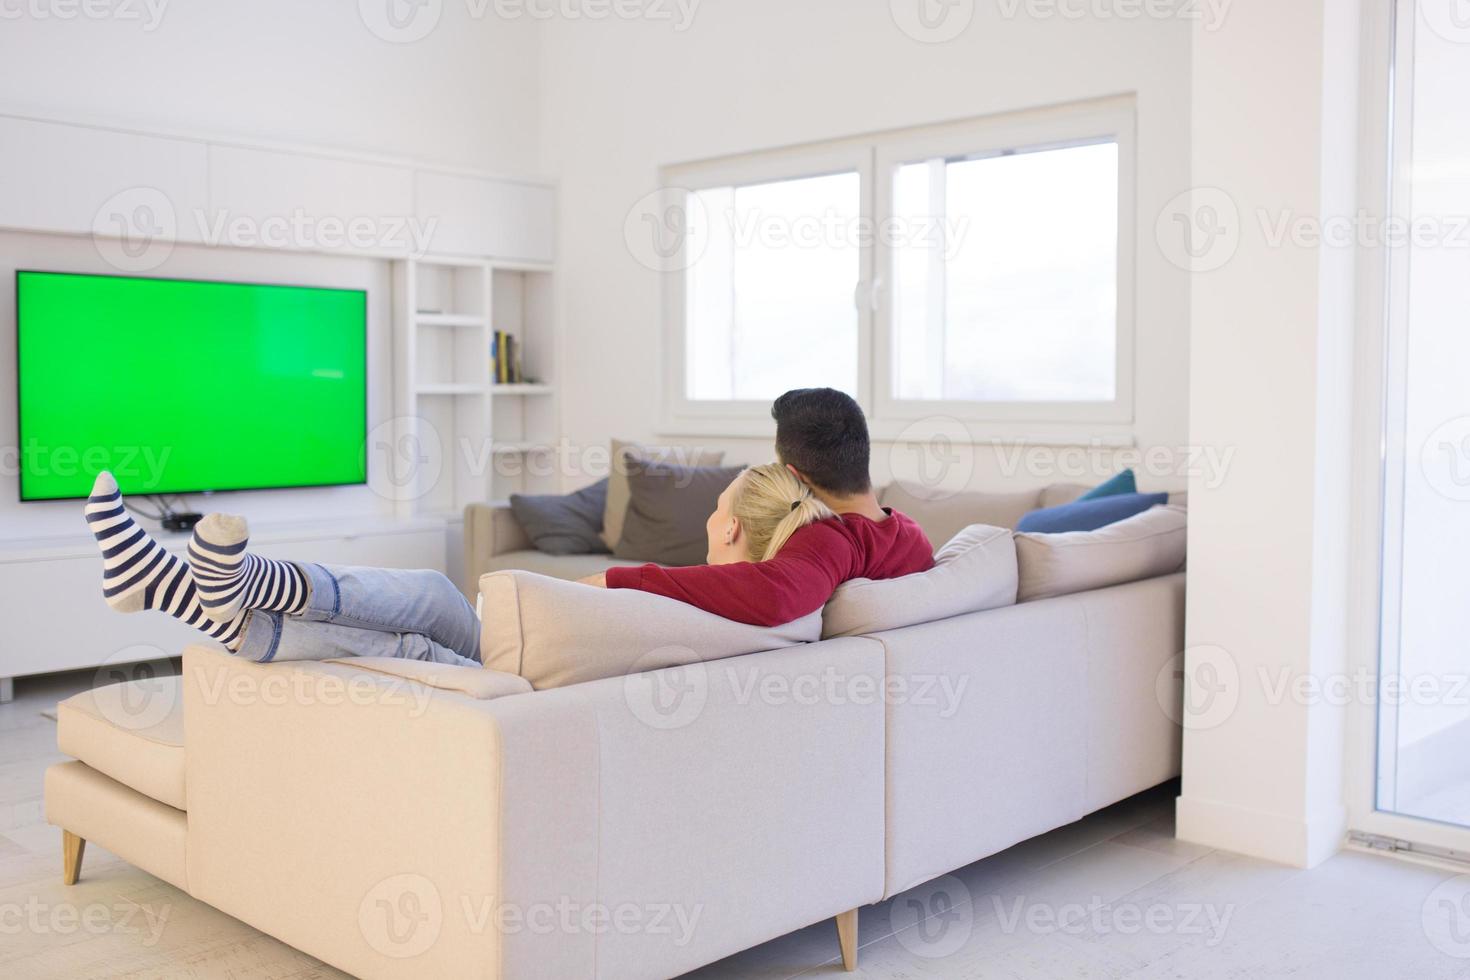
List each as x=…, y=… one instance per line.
x=1122, y=483
x=1089, y=515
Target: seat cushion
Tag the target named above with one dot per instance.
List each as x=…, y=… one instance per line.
x=132, y=732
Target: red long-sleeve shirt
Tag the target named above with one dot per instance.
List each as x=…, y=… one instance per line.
x=802, y=576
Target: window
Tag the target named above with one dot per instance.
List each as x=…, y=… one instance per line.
x=765, y=314
x=1014, y=298
x=979, y=270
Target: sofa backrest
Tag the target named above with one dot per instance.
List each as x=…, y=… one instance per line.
x=975, y=570
x=1142, y=546
x=554, y=633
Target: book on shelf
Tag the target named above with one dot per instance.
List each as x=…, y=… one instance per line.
x=505, y=358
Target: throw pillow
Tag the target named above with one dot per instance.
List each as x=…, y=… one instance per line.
x=668, y=506
x=1142, y=546
x=1120, y=483
x=554, y=633
x=1088, y=515
x=943, y=515
x=564, y=523
x=976, y=570
x=625, y=454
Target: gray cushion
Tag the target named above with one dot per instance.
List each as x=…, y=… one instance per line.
x=564, y=523
x=976, y=570
x=626, y=455
x=943, y=515
x=668, y=507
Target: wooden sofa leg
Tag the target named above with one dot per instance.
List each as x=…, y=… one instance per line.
x=72, y=848
x=847, y=928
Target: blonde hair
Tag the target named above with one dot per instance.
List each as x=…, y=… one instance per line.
x=771, y=505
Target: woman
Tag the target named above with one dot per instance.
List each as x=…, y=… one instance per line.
x=264, y=609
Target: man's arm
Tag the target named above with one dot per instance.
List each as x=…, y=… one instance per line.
x=799, y=580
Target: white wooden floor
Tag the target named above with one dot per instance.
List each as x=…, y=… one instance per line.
x=1114, y=895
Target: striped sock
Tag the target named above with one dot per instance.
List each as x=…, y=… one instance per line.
x=138, y=574
x=231, y=578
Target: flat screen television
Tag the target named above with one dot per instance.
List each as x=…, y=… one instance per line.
x=184, y=386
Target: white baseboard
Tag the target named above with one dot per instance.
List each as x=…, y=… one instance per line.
x=1278, y=837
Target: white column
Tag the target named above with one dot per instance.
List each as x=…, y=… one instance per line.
x=1274, y=149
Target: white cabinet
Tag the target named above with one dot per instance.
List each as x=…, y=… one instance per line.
x=90, y=180
x=317, y=202
x=72, y=179
x=498, y=218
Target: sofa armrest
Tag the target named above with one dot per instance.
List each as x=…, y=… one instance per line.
x=490, y=530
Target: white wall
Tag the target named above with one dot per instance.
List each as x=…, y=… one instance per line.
x=270, y=71
x=284, y=70
x=623, y=98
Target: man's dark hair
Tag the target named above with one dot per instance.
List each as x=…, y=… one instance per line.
x=822, y=432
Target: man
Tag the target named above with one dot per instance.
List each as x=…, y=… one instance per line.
x=822, y=437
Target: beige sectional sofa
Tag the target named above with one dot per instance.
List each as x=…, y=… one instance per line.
x=399, y=819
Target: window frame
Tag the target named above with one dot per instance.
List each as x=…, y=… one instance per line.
x=744, y=416
x=1046, y=129
x=874, y=157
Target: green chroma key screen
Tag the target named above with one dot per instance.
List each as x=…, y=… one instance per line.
x=181, y=386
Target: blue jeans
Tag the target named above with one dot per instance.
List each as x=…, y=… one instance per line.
x=369, y=612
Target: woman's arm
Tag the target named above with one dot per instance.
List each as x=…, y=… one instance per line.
x=797, y=581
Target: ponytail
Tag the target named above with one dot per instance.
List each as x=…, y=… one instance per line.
x=772, y=505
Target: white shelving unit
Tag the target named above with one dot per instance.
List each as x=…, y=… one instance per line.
x=474, y=439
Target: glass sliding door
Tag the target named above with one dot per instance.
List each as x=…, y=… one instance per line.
x=1423, y=707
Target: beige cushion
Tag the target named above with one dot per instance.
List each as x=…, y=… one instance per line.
x=554, y=633
x=618, y=491
x=1142, y=546
x=476, y=682
x=976, y=570
x=1060, y=493
x=943, y=515
x=570, y=567
x=133, y=732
